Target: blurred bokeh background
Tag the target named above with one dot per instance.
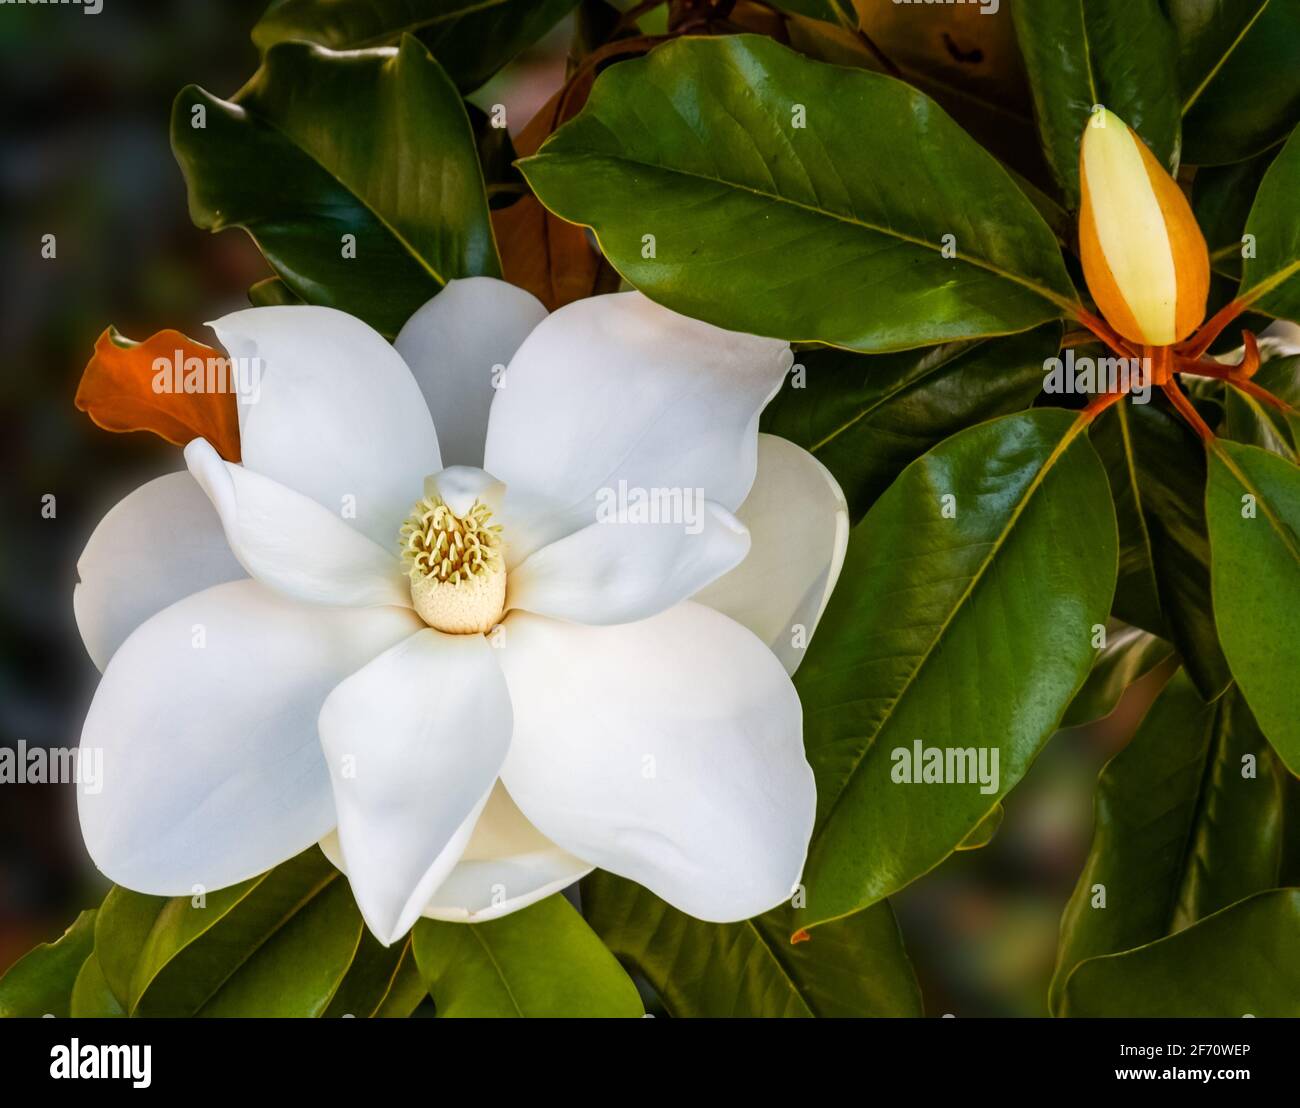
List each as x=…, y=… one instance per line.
x=84, y=156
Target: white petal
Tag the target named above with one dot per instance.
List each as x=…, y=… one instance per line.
x=413, y=741
x=616, y=388
x=336, y=415
x=460, y=486
x=1280, y=339
x=156, y=546
x=507, y=865
x=205, y=721
x=456, y=344
x=619, y=571
x=292, y=544
x=799, y=523
x=668, y=751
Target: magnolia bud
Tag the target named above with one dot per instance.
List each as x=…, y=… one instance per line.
x=1144, y=256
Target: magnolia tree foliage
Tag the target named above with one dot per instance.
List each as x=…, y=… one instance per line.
x=1046, y=356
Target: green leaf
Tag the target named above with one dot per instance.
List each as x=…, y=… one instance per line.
x=970, y=632
x=40, y=983
x=540, y=961
x=1237, y=962
x=381, y=979
x=1270, y=281
x=1240, y=82
x=829, y=231
x=319, y=146
x=1156, y=467
x=1080, y=53
x=853, y=967
x=91, y=996
x=867, y=416
x=272, y=292
x=1253, y=504
x=1189, y=820
x=1252, y=421
x=1129, y=653
x=471, y=39
x=1222, y=196
x=984, y=831
x=473, y=47
x=353, y=24
x=276, y=945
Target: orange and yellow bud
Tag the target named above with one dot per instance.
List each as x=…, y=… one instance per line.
x=1144, y=256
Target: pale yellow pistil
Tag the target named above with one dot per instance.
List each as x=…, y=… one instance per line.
x=458, y=575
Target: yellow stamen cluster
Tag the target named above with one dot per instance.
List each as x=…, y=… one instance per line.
x=440, y=544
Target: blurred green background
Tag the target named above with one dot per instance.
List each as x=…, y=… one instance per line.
x=85, y=157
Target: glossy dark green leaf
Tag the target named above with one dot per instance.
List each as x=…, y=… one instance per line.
x=473, y=47
x=984, y=831
x=1156, y=466
x=867, y=416
x=320, y=146
x=1129, y=653
x=807, y=226
x=853, y=967
x=1240, y=82
x=1080, y=53
x=1270, y=280
x=91, y=996
x=966, y=631
x=353, y=24
x=471, y=39
x=541, y=961
x=279, y=944
x=1252, y=421
x=40, y=983
x=1238, y=962
x=377, y=980
x=272, y=292
x=1253, y=505
x=1222, y=196
x=1189, y=819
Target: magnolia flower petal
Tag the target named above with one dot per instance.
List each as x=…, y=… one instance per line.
x=618, y=389
x=621, y=570
x=457, y=345
x=668, y=751
x=798, y=520
x=507, y=865
x=414, y=741
x=205, y=721
x=336, y=414
x=292, y=544
x=155, y=547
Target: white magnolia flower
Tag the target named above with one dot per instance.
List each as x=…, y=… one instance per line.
x=434, y=652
